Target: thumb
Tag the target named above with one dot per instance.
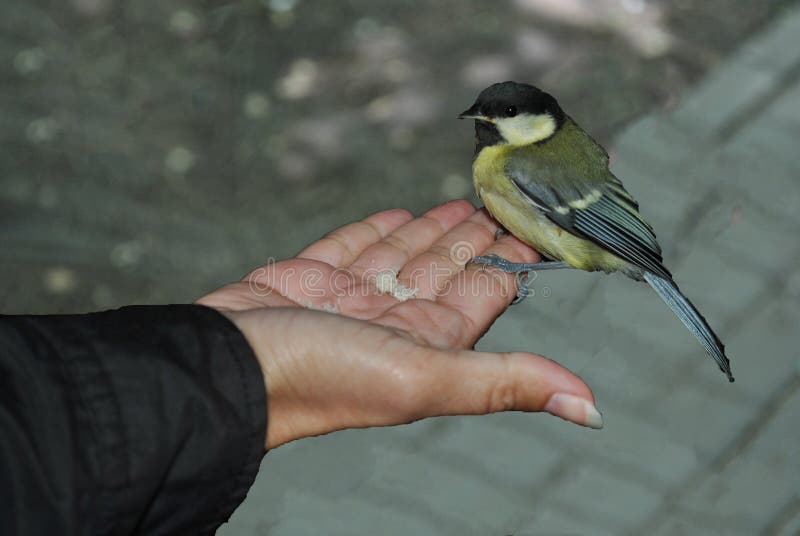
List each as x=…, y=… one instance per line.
x=476, y=383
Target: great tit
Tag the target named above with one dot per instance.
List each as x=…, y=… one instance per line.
x=544, y=179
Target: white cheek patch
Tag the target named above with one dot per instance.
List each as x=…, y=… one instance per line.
x=526, y=129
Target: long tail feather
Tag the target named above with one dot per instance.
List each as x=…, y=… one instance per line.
x=691, y=318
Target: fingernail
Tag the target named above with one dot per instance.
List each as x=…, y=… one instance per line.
x=574, y=409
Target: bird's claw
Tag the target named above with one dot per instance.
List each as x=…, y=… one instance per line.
x=522, y=288
x=516, y=268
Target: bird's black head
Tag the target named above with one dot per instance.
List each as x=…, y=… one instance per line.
x=514, y=113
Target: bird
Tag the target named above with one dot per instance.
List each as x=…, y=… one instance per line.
x=548, y=182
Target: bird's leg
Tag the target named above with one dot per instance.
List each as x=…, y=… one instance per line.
x=497, y=261
x=521, y=270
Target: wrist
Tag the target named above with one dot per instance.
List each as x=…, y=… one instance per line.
x=252, y=332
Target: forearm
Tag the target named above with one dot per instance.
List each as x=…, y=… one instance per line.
x=144, y=419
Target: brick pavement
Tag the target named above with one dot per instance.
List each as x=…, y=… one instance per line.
x=683, y=452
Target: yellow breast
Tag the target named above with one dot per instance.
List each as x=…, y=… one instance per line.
x=509, y=206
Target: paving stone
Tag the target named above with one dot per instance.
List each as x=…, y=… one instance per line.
x=719, y=288
x=662, y=201
x=526, y=328
x=507, y=458
x=722, y=95
x=327, y=466
x=653, y=140
x=635, y=308
x=624, y=378
x=702, y=422
x=750, y=74
x=690, y=525
x=629, y=445
x=740, y=229
x=558, y=294
x=555, y=523
x=304, y=514
x=774, y=49
x=789, y=526
x=766, y=158
x=763, y=353
x=611, y=503
x=455, y=496
x=663, y=459
x=756, y=483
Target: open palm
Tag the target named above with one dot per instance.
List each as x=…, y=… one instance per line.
x=371, y=324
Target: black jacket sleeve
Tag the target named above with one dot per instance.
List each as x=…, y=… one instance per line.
x=146, y=419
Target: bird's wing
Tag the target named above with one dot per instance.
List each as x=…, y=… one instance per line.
x=597, y=208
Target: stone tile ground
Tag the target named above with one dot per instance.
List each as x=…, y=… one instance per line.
x=683, y=452
x=151, y=153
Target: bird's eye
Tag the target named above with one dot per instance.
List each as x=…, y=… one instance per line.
x=511, y=111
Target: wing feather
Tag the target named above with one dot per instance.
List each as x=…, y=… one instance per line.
x=601, y=211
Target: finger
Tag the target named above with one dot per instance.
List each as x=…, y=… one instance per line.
x=482, y=294
x=411, y=239
x=342, y=246
x=431, y=271
x=477, y=383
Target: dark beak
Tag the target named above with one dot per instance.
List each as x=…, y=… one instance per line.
x=474, y=112
x=470, y=113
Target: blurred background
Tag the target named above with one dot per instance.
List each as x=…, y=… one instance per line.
x=153, y=150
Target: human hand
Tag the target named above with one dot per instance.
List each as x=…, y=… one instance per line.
x=338, y=353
